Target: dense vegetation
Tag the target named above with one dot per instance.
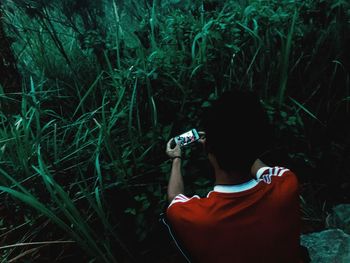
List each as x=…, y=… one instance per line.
x=92, y=90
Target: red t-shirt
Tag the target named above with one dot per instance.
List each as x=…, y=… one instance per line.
x=257, y=221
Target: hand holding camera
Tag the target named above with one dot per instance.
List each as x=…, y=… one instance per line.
x=173, y=151
x=175, y=144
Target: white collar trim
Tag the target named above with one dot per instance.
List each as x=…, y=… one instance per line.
x=236, y=188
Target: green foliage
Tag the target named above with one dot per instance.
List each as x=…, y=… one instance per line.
x=107, y=83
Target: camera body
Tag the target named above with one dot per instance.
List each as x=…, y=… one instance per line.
x=187, y=138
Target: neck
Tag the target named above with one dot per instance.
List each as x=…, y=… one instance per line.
x=223, y=177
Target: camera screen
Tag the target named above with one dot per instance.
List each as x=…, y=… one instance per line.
x=186, y=138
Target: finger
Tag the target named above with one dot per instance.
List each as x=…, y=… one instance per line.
x=168, y=146
x=201, y=134
x=202, y=140
x=177, y=150
x=177, y=147
x=171, y=144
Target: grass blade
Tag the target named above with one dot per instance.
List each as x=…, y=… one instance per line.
x=306, y=110
x=285, y=60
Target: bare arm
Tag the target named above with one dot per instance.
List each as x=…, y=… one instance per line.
x=256, y=166
x=176, y=184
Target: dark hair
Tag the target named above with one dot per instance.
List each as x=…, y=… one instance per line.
x=237, y=130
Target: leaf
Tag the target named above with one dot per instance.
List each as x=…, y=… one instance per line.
x=206, y=104
x=130, y=210
x=306, y=110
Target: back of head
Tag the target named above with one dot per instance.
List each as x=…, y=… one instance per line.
x=237, y=130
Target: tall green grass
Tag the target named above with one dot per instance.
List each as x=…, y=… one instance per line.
x=26, y=140
x=100, y=99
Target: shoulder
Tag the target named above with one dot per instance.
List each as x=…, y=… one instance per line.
x=183, y=199
x=278, y=174
x=278, y=171
x=184, y=207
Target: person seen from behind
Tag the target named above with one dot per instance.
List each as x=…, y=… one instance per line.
x=252, y=214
